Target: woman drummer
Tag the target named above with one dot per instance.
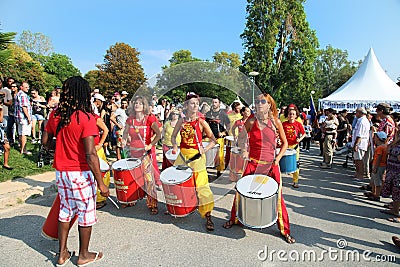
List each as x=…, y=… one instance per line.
x=262, y=130
x=142, y=134
x=295, y=133
x=191, y=129
x=168, y=128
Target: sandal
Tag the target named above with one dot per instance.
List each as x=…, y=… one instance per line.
x=154, y=211
x=209, y=223
x=289, y=239
x=71, y=254
x=228, y=224
x=295, y=185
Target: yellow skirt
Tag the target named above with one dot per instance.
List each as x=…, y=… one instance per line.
x=106, y=178
x=204, y=193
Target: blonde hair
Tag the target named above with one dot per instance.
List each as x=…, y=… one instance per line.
x=131, y=107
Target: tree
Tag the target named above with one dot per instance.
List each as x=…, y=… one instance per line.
x=60, y=66
x=332, y=69
x=92, y=77
x=37, y=43
x=121, y=69
x=281, y=47
x=6, y=38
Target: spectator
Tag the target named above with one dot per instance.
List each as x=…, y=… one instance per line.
x=330, y=135
x=11, y=123
x=119, y=119
x=307, y=138
x=343, y=128
x=23, y=115
x=4, y=141
x=6, y=100
x=360, y=141
x=124, y=95
x=387, y=124
x=38, y=114
x=234, y=115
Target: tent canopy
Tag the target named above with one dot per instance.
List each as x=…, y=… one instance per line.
x=368, y=87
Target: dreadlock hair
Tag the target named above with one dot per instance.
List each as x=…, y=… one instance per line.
x=75, y=95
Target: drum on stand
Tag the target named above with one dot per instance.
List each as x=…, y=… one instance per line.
x=257, y=199
x=50, y=226
x=129, y=180
x=179, y=190
x=236, y=164
x=212, y=159
x=229, y=144
x=288, y=163
x=172, y=157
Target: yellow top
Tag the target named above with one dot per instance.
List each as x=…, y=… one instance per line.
x=233, y=117
x=168, y=129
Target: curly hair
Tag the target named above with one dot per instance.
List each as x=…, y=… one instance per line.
x=75, y=96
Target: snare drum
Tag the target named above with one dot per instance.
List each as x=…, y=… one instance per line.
x=172, y=157
x=257, y=201
x=129, y=180
x=50, y=226
x=288, y=163
x=179, y=190
x=212, y=155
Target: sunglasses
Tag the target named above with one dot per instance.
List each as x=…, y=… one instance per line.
x=14, y=86
x=260, y=101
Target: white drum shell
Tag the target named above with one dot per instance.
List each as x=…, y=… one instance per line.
x=211, y=155
x=257, y=202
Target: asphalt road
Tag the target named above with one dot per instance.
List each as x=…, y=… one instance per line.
x=327, y=211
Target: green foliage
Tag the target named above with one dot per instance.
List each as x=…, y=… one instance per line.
x=60, y=66
x=37, y=43
x=121, y=70
x=6, y=38
x=282, y=48
x=92, y=77
x=332, y=69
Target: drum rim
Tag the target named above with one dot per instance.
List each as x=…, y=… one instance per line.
x=180, y=182
x=168, y=153
x=251, y=197
x=119, y=169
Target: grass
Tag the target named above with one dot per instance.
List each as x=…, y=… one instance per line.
x=23, y=165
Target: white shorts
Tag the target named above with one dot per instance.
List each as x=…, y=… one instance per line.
x=77, y=191
x=359, y=155
x=24, y=128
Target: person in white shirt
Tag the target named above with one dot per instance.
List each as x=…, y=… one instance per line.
x=119, y=119
x=360, y=139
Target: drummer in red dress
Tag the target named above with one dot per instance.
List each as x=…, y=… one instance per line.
x=142, y=134
x=260, y=138
x=191, y=129
x=238, y=125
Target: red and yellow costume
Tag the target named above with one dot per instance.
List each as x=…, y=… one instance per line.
x=191, y=139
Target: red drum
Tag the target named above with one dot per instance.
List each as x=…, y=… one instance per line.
x=129, y=180
x=179, y=190
x=50, y=226
x=172, y=157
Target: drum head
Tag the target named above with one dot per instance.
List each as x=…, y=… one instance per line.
x=170, y=156
x=290, y=151
x=229, y=138
x=126, y=164
x=175, y=175
x=257, y=186
x=104, y=167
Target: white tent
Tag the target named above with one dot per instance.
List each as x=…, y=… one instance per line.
x=368, y=87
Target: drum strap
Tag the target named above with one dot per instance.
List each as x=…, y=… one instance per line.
x=263, y=162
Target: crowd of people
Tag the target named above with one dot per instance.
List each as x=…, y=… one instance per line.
x=132, y=127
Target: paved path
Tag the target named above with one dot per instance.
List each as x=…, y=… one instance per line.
x=326, y=208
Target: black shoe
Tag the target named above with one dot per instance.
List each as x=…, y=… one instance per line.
x=7, y=168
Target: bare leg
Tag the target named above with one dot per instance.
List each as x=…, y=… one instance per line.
x=23, y=143
x=84, y=239
x=33, y=129
x=6, y=154
x=63, y=229
x=118, y=150
x=378, y=190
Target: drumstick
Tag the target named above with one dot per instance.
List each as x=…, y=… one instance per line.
x=112, y=201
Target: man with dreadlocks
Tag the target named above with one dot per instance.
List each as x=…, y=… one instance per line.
x=77, y=166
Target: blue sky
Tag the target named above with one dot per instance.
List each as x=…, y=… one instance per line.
x=84, y=30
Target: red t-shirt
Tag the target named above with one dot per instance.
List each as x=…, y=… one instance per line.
x=293, y=131
x=97, y=137
x=70, y=152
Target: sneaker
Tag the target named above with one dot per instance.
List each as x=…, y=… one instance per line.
x=301, y=149
x=34, y=141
